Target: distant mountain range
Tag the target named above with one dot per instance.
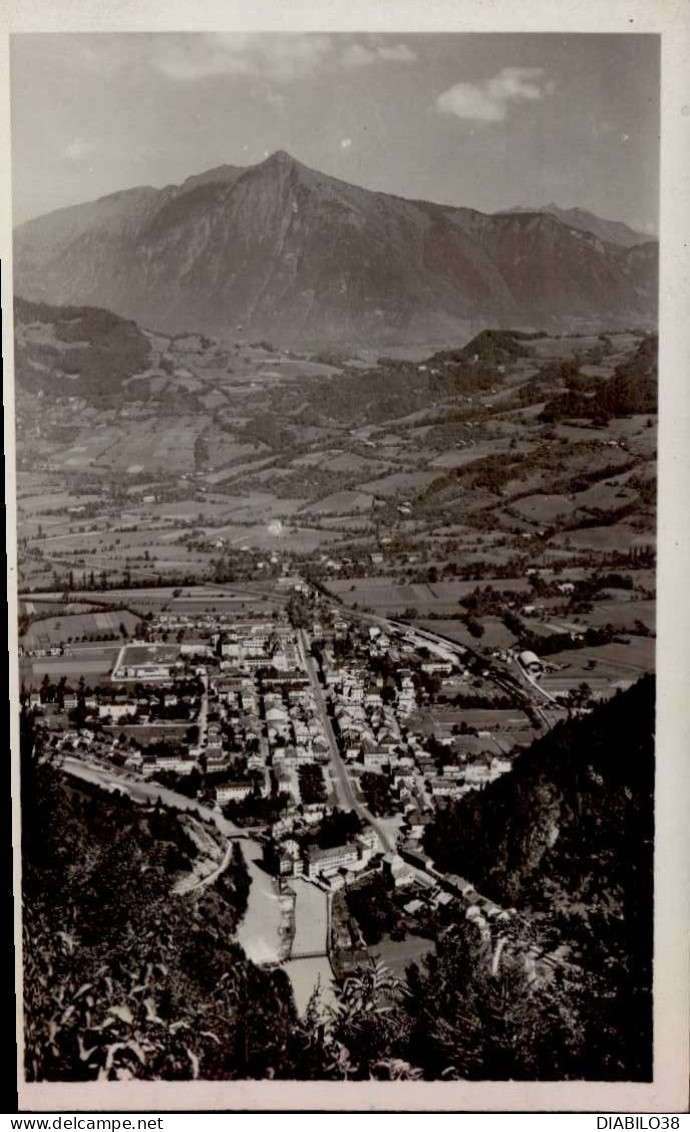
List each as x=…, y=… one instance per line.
x=280, y=250
x=610, y=231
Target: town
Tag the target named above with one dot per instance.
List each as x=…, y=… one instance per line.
x=326, y=741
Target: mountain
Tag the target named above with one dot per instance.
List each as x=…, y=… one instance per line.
x=281, y=250
x=568, y=839
x=76, y=351
x=573, y=818
x=610, y=231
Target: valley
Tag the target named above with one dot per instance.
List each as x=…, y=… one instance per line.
x=336, y=530
x=520, y=465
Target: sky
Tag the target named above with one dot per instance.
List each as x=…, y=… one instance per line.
x=485, y=121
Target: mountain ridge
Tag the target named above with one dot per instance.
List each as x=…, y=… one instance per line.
x=611, y=231
x=278, y=249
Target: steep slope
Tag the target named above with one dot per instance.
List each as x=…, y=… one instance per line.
x=568, y=839
x=123, y=977
x=572, y=820
x=76, y=351
x=281, y=250
x=610, y=231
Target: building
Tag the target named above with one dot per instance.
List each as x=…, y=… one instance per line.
x=115, y=711
x=215, y=756
x=396, y=870
x=142, y=672
x=530, y=662
x=289, y=857
x=233, y=792
x=179, y=762
x=324, y=862
x=373, y=760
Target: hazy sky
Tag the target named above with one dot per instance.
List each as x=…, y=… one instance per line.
x=487, y=121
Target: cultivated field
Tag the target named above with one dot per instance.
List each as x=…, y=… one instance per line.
x=78, y=626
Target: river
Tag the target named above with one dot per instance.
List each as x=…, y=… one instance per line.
x=260, y=929
x=268, y=915
x=304, y=974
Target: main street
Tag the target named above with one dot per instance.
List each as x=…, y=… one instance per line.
x=202, y=718
x=345, y=794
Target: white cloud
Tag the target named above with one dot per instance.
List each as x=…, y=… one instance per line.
x=277, y=57
x=78, y=150
x=346, y=143
x=357, y=55
x=398, y=53
x=275, y=98
x=489, y=101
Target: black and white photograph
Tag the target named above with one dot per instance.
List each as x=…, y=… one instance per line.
x=336, y=421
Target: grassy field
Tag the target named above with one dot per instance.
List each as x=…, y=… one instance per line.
x=54, y=630
x=279, y=473
x=496, y=635
x=147, y=733
x=195, y=599
x=623, y=614
x=341, y=503
x=399, y=482
x=544, y=508
x=618, y=536
x=385, y=594
x=91, y=663
x=614, y=666
x=150, y=654
x=461, y=457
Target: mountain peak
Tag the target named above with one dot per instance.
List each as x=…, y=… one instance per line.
x=280, y=157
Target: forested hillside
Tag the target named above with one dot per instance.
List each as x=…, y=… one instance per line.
x=123, y=978
x=82, y=351
x=633, y=388
x=567, y=838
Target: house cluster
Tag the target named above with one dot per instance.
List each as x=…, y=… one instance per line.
x=293, y=726
x=259, y=727
x=249, y=646
x=234, y=708
x=274, y=722
x=109, y=746
x=146, y=669
x=374, y=721
x=172, y=621
x=472, y=773
x=51, y=650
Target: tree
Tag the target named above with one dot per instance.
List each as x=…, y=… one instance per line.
x=363, y=1032
x=479, y=1014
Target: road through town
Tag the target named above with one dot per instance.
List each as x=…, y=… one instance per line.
x=345, y=793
